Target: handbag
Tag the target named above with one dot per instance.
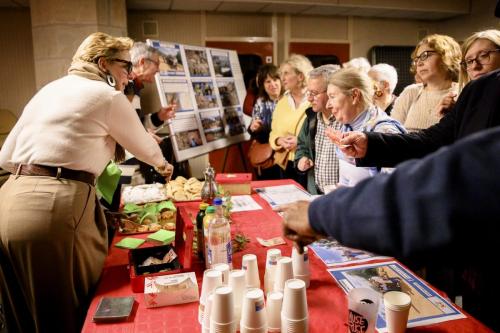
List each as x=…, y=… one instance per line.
x=260, y=155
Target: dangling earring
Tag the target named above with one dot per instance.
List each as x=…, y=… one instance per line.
x=111, y=80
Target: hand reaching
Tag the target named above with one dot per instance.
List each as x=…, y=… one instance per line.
x=354, y=144
x=167, y=113
x=166, y=171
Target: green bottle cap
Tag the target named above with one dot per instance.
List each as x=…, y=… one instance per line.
x=210, y=209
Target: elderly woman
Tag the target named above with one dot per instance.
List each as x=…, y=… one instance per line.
x=350, y=94
x=289, y=115
x=53, y=238
x=385, y=79
x=436, y=60
x=270, y=91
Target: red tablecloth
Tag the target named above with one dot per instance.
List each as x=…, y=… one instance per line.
x=327, y=302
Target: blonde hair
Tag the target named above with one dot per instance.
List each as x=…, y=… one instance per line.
x=98, y=45
x=361, y=63
x=300, y=64
x=448, y=49
x=493, y=35
x=347, y=79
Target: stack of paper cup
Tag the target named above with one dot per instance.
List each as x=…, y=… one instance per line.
x=273, y=307
x=271, y=263
x=253, y=313
x=397, y=307
x=211, y=279
x=221, y=312
x=294, y=315
x=249, y=265
x=363, y=308
x=224, y=268
x=301, y=266
x=284, y=272
x=205, y=326
x=237, y=283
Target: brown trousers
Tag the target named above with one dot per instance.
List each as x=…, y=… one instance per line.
x=53, y=242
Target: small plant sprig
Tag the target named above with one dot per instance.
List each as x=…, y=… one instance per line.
x=239, y=242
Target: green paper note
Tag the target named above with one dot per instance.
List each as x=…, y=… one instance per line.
x=162, y=236
x=129, y=243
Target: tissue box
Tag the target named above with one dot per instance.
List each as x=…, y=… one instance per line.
x=170, y=289
x=235, y=183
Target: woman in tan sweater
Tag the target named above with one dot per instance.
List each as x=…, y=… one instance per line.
x=436, y=60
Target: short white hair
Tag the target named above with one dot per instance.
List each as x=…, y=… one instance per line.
x=360, y=63
x=387, y=73
x=142, y=50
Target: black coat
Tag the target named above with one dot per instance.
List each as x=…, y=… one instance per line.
x=477, y=108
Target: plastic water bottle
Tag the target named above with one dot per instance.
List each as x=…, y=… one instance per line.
x=220, y=249
x=209, y=216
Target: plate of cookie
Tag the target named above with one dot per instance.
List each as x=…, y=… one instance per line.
x=182, y=189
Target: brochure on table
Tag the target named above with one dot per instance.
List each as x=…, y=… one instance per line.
x=207, y=86
x=332, y=253
x=427, y=307
x=283, y=194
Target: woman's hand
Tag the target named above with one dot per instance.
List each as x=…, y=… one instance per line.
x=154, y=136
x=291, y=142
x=304, y=164
x=165, y=170
x=354, y=144
x=167, y=113
x=256, y=125
x=446, y=104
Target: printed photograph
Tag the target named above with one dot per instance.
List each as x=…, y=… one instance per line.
x=171, y=60
x=212, y=125
x=228, y=94
x=177, y=92
x=234, y=121
x=197, y=62
x=188, y=139
x=332, y=253
x=222, y=65
x=205, y=95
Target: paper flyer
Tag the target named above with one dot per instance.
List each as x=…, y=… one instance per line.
x=282, y=194
x=428, y=307
x=332, y=253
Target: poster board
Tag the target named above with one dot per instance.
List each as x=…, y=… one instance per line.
x=207, y=86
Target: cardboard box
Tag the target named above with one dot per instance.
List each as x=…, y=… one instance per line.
x=170, y=289
x=235, y=183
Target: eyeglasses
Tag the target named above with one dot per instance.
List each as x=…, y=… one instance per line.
x=482, y=58
x=128, y=68
x=422, y=57
x=314, y=94
x=157, y=63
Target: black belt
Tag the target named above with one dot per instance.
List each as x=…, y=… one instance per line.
x=58, y=172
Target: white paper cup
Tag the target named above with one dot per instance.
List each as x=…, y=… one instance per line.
x=397, y=307
x=249, y=265
x=224, y=269
x=294, y=326
x=363, y=306
x=237, y=282
x=205, y=326
x=273, y=309
x=300, y=263
x=294, y=301
x=211, y=279
x=253, y=313
x=222, y=312
x=284, y=272
x=272, y=257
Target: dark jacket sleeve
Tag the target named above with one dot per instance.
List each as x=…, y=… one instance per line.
x=445, y=204
x=303, y=142
x=388, y=150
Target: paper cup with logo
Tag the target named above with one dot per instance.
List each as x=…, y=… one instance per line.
x=273, y=308
x=284, y=272
x=363, y=306
x=272, y=257
x=249, y=265
x=300, y=263
x=211, y=279
x=397, y=307
x=253, y=313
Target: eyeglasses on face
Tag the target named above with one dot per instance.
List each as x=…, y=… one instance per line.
x=157, y=63
x=314, y=94
x=128, y=68
x=483, y=58
x=422, y=57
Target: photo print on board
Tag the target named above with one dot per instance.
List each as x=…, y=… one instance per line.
x=234, y=121
x=197, y=63
x=222, y=65
x=177, y=92
x=213, y=126
x=228, y=93
x=205, y=95
x=170, y=59
x=187, y=133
